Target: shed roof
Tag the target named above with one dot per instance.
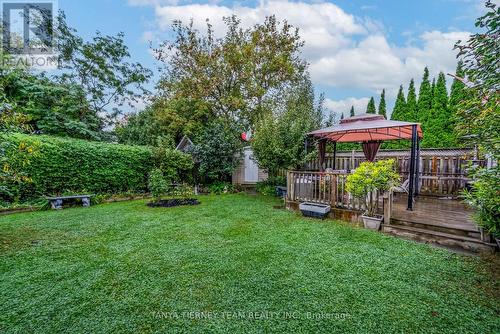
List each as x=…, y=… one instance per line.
x=367, y=127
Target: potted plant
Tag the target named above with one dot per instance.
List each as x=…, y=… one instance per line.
x=368, y=180
x=484, y=198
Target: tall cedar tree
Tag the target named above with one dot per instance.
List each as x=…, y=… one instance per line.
x=424, y=98
x=399, y=111
x=370, y=108
x=398, y=114
x=439, y=127
x=351, y=113
x=381, y=106
x=433, y=88
x=458, y=92
x=411, y=104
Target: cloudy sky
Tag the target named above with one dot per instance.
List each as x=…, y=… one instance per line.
x=355, y=48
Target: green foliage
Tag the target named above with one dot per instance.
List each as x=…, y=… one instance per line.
x=15, y=157
x=478, y=114
x=485, y=198
x=100, y=68
x=183, y=190
x=399, y=111
x=370, y=108
x=370, y=177
x=157, y=184
x=217, y=152
x=268, y=187
x=439, y=126
x=175, y=165
x=33, y=102
x=72, y=165
x=278, y=142
x=221, y=187
x=424, y=103
x=235, y=76
x=382, y=109
x=141, y=128
x=411, y=112
x=458, y=90
x=351, y=112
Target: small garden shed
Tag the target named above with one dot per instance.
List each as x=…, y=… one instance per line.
x=248, y=171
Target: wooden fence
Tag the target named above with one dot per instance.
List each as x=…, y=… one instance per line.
x=325, y=188
x=442, y=171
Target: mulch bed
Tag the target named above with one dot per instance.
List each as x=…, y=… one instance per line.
x=167, y=203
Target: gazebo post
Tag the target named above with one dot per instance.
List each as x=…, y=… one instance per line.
x=321, y=152
x=417, y=168
x=334, y=155
x=411, y=176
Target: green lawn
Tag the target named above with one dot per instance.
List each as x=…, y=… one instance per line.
x=232, y=264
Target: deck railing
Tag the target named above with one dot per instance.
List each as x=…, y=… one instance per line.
x=442, y=171
x=325, y=188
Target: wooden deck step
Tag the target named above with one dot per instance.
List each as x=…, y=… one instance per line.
x=460, y=229
x=448, y=240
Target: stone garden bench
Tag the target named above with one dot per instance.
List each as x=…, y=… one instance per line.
x=57, y=201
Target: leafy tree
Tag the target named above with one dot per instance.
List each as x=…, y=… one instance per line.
x=351, y=113
x=218, y=152
x=100, y=68
x=38, y=104
x=399, y=111
x=370, y=108
x=479, y=114
x=238, y=75
x=411, y=104
x=278, y=142
x=381, y=106
x=424, y=97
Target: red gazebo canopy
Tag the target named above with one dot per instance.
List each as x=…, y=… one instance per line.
x=371, y=130
x=366, y=128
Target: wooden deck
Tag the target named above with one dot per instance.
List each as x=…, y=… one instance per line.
x=443, y=222
x=435, y=211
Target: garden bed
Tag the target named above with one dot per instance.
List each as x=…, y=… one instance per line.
x=168, y=203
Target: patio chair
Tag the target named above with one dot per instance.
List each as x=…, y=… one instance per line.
x=403, y=188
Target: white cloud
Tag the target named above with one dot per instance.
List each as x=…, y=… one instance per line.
x=344, y=106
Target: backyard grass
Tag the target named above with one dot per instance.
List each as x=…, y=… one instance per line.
x=232, y=264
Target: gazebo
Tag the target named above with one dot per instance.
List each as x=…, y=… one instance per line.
x=370, y=130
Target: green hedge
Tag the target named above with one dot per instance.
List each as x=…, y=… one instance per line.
x=60, y=165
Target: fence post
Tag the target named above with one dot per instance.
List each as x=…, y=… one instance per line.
x=387, y=201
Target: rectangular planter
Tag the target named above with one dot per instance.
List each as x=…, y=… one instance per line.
x=314, y=210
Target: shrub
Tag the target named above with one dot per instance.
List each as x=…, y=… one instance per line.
x=74, y=166
x=370, y=177
x=175, y=165
x=485, y=198
x=157, y=184
x=218, y=152
x=184, y=191
x=268, y=187
x=220, y=187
